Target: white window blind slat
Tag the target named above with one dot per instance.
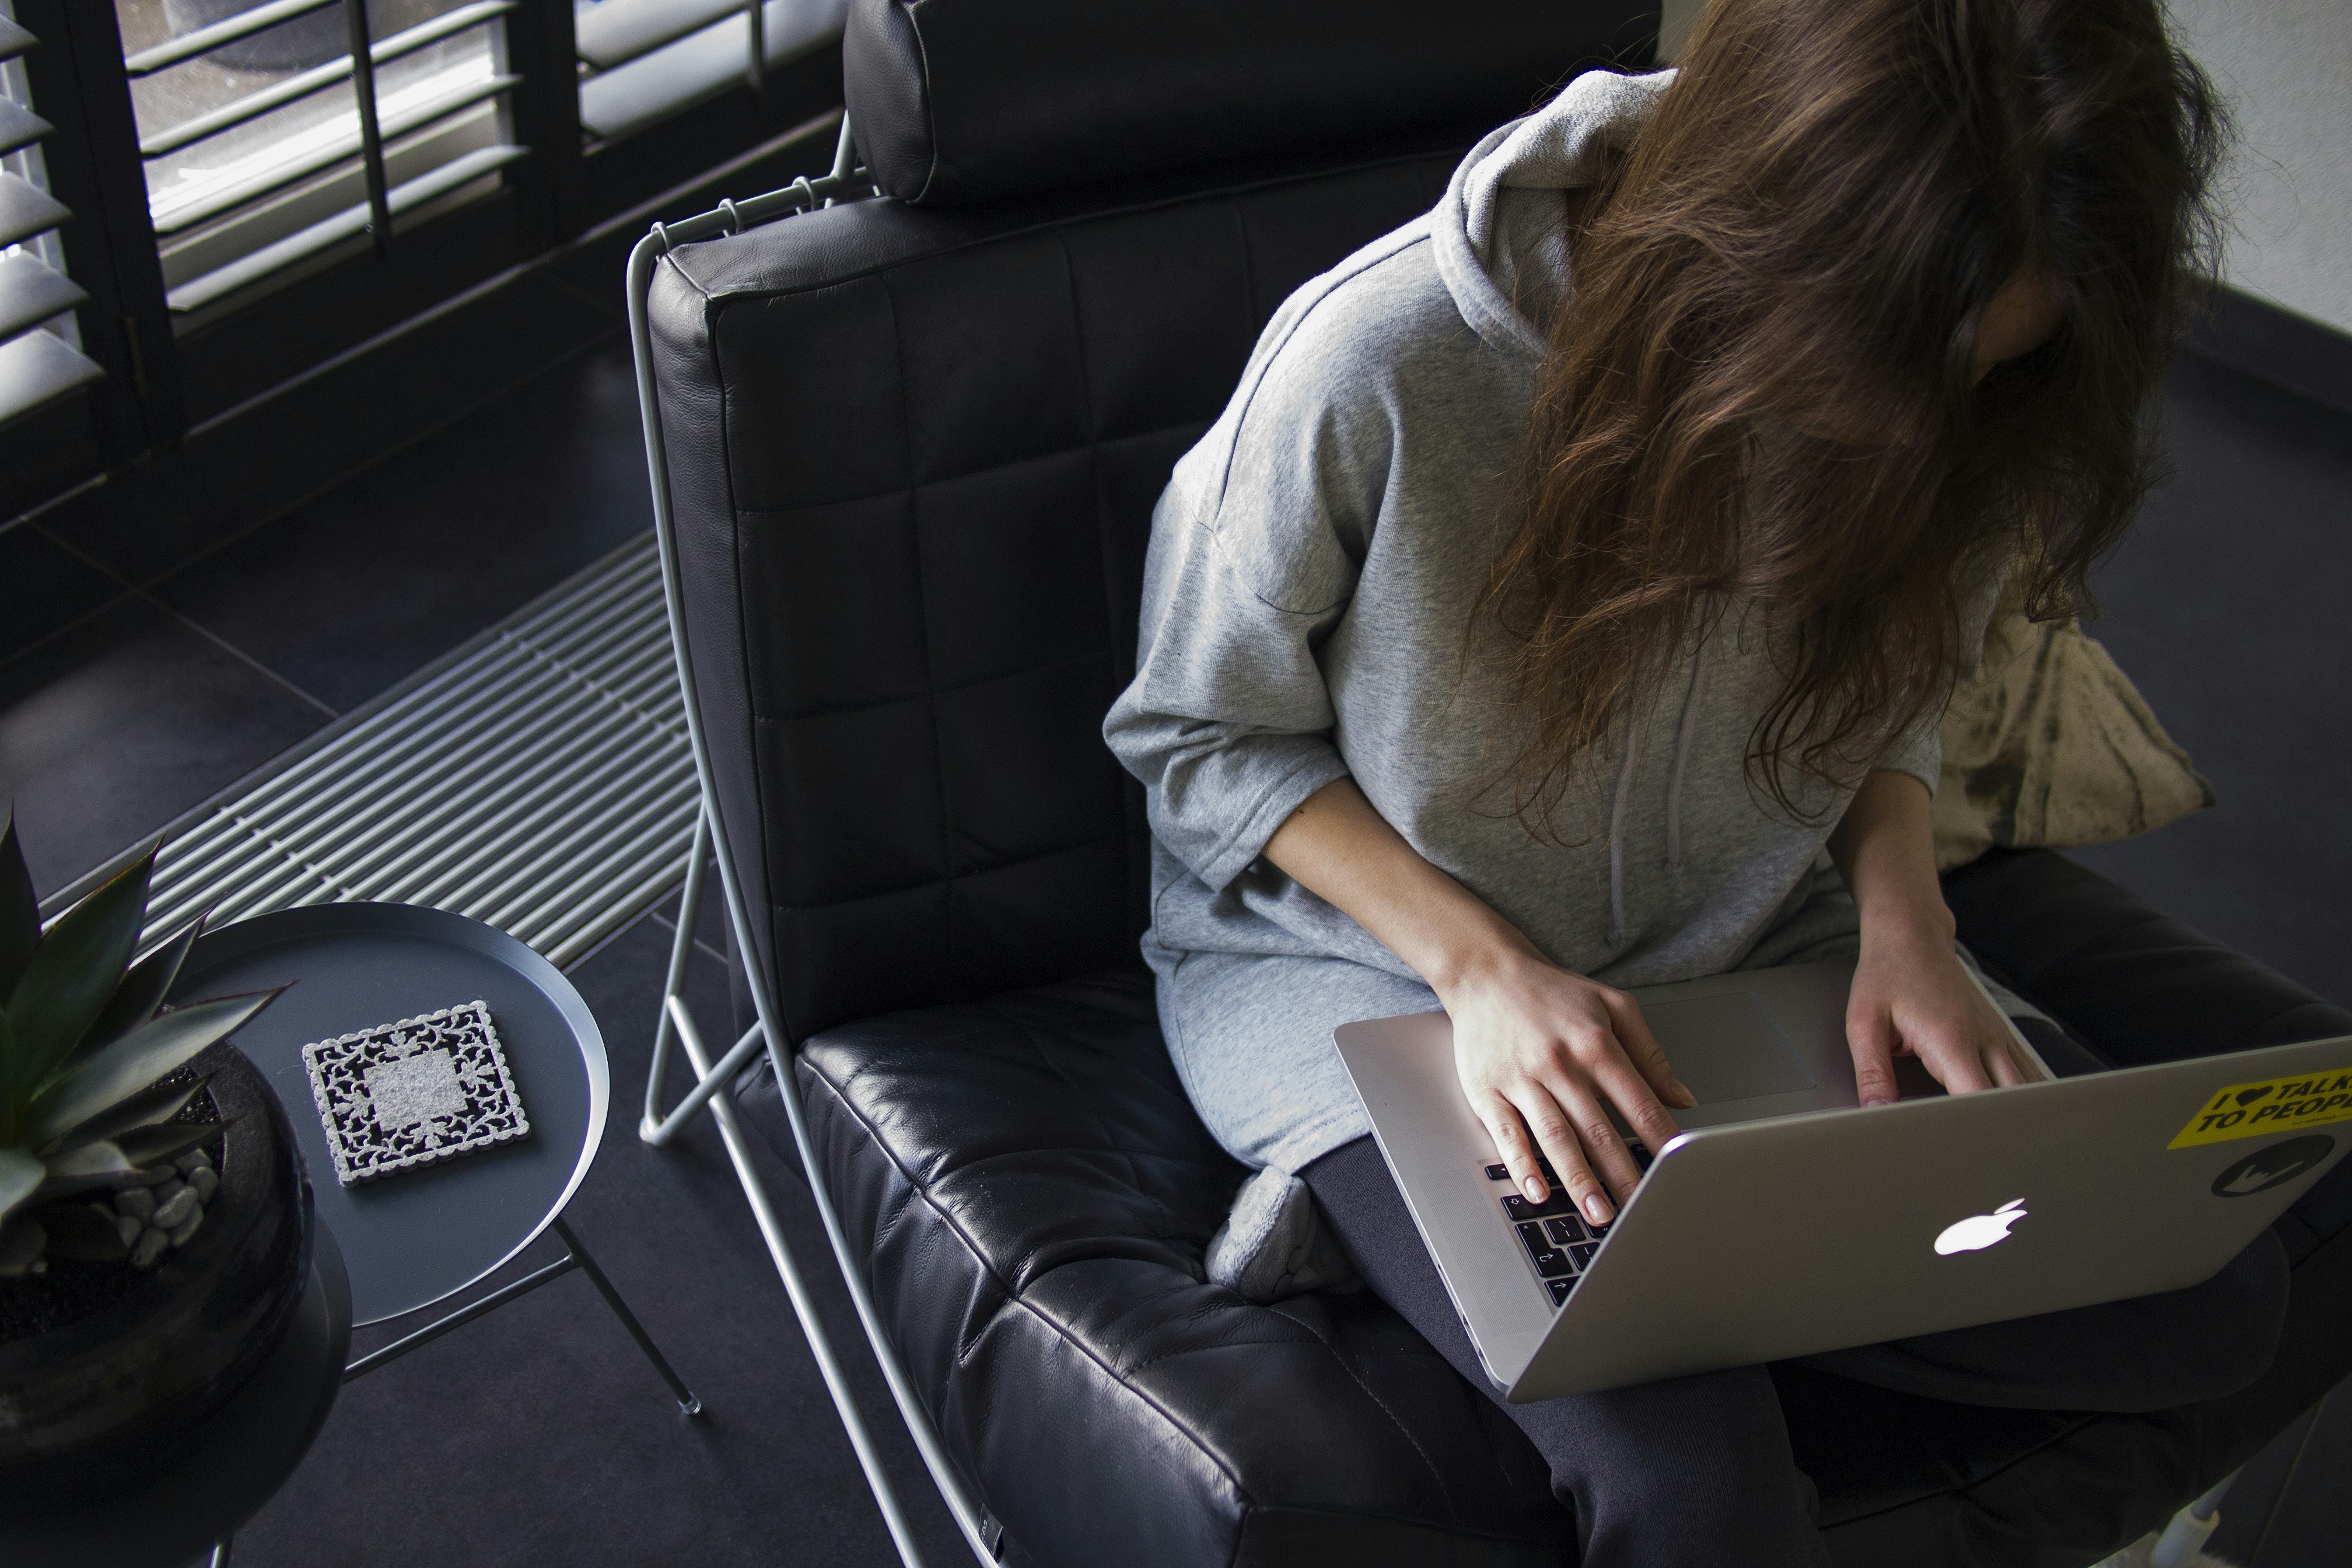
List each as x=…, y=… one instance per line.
x=282, y=163
x=202, y=289
x=259, y=142
x=38, y=367
x=30, y=294
x=228, y=30
x=27, y=210
x=614, y=32
x=286, y=89
x=700, y=66
x=19, y=126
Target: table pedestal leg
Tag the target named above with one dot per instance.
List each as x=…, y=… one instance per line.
x=685, y=1396
x=576, y=1256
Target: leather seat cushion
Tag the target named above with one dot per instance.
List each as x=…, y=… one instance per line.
x=1035, y=1197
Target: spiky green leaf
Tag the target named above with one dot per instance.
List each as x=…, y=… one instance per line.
x=74, y=969
x=20, y=909
x=141, y=992
x=148, y=1108
x=81, y=1231
x=21, y=1241
x=153, y=1145
x=20, y=1178
x=111, y=1076
x=78, y=1170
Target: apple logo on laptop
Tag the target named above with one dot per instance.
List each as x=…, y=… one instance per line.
x=1979, y=1231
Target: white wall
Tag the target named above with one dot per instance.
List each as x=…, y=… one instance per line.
x=2285, y=65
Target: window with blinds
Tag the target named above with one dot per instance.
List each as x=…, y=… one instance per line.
x=642, y=61
x=287, y=135
x=40, y=342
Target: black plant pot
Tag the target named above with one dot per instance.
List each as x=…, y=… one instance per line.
x=122, y=1382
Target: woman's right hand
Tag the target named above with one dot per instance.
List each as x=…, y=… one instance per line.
x=1541, y=1052
x=1542, y=1055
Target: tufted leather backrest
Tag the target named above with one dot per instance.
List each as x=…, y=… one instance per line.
x=964, y=101
x=913, y=457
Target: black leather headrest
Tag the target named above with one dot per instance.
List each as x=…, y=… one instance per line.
x=968, y=100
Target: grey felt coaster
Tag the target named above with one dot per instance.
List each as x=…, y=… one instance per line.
x=406, y=1094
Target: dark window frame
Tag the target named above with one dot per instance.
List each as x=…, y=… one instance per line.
x=164, y=381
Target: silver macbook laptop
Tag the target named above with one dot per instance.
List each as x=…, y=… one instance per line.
x=1785, y=1219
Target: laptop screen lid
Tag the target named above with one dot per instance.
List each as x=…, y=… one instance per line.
x=1437, y=1152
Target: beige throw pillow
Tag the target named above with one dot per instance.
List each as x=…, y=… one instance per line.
x=2049, y=744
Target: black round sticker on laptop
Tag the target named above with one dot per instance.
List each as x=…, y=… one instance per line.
x=2262, y=1171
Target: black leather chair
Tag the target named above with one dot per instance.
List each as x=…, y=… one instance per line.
x=912, y=447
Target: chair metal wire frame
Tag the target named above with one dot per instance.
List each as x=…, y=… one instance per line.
x=677, y=1024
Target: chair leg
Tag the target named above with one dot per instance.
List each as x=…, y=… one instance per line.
x=677, y=1023
x=681, y=951
x=687, y=1402
x=2186, y=1535
x=836, y=1381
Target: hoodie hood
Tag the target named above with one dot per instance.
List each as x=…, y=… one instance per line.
x=1501, y=245
x=1502, y=253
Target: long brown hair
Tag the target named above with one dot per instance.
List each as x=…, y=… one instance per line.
x=1804, y=239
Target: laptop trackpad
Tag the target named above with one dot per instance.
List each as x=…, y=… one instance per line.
x=1726, y=1048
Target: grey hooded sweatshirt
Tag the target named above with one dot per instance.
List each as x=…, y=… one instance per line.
x=1314, y=564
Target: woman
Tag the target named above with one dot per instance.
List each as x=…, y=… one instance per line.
x=1566, y=602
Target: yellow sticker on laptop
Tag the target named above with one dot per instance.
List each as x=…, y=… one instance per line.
x=2274, y=1105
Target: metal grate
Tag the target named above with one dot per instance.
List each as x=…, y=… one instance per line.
x=540, y=781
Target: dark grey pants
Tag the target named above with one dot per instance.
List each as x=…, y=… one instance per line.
x=1697, y=1471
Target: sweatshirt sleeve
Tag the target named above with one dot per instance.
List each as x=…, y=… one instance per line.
x=1255, y=549
x=1919, y=752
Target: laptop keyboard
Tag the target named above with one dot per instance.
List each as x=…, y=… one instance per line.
x=1557, y=1241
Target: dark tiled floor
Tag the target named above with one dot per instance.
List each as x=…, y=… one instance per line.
x=48, y=589
x=538, y=1434
x=126, y=704
x=114, y=728
x=159, y=514
x=411, y=558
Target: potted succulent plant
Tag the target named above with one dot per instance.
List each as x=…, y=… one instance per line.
x=154, y=1219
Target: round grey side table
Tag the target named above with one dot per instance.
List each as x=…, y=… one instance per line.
x=415, y=1237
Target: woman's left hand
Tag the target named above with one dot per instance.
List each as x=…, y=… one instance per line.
x=1912, y=997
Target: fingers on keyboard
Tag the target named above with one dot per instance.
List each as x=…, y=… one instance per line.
x=1559, y=1242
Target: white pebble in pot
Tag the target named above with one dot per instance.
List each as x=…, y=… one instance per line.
x=172, y=1214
